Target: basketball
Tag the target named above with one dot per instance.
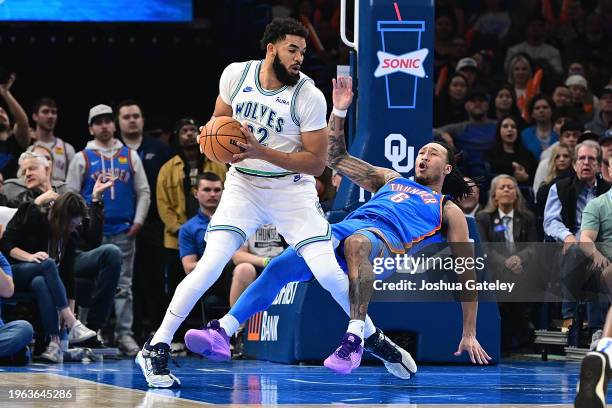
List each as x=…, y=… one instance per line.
x=218, y=139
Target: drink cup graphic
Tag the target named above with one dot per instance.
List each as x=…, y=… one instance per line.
x=401, y=61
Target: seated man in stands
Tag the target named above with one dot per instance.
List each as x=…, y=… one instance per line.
x=15, y=335
x=33, y=178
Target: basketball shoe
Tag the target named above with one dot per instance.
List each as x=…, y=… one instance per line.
x=210, y=341
x=153, y=361
x=593, y=385
x=397, y=360
x=347, y=357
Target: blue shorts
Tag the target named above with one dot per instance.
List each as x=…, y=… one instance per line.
x=384, y=242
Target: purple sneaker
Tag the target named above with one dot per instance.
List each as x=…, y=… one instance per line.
x=347, y=357
x=210, y=342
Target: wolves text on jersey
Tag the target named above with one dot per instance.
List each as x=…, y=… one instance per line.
x=264, y=115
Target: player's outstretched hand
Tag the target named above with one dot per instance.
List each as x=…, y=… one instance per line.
x=252, y=149
x=474, y=349
x=342, y=94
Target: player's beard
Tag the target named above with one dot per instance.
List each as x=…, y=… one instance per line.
x=3, y=127
x=282, y=74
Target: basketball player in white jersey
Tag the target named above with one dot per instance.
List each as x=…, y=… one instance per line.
x=270, y=182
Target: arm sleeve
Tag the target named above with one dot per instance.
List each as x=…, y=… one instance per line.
x=229, y=80
x=591, y=219
x=76, y=172
x=311, y=108
x=17, y=228
x=94, y=229
x=141, y=188
x=187, y=244
x=165, y=207
x=553, y=223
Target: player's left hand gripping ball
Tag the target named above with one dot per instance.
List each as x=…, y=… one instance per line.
x=252, y=149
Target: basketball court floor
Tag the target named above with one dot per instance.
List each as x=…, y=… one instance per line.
x=120, y=384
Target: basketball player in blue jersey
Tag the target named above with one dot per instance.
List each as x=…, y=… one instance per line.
x=400, y=214
x=270, y=182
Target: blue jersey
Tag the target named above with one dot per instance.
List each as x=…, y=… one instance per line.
x=402, y=213
x=119, y=210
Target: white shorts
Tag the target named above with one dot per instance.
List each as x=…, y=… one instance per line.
x=289, y=202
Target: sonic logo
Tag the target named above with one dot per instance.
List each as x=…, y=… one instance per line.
x=410, y=63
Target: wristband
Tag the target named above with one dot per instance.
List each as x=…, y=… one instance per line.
x=266, y=261
x=339, y=113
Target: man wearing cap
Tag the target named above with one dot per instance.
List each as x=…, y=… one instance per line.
x=149, y=263
x=176, y=185
x=603, y=119
x=125, y=206
x=468, y=67
x=571, y=131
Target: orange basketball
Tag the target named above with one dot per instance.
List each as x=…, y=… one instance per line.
x=218, y=139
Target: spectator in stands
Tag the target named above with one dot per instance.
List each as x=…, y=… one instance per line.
x=535, y=47
x=449, y=107
x=558, y=118
x=176, y=185
x=561, y=96
x=509, y=156
x=540, y=135
x=520, y=75
x=570, y=134
x=558, y=166
x=16, y=335
x=149, y=262
x=13, y=139
x=35, y=169
x=562, y=219
x=603, y=119
x=41, y=246
x=125, y=206
x=470, y=205
x=605, y=141
x=44, y=115
x=468, y=67
x=507, y=220
x=505, y=104
x=475, y=136
x=581, y=101
x=14, y=187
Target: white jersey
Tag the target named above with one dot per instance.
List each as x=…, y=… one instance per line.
x=277, y=118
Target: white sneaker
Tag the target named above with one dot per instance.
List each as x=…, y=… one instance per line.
x=53, y=353
x=79, y=333
x=153, y=362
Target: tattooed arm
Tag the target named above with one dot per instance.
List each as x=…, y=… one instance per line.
x=360, y=172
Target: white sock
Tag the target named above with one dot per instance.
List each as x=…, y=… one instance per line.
x=605, y=346
x=229, y=324
x=369, y=328
x=356, y=327
x=220, y=247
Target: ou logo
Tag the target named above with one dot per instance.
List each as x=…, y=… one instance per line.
x=397, y=150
